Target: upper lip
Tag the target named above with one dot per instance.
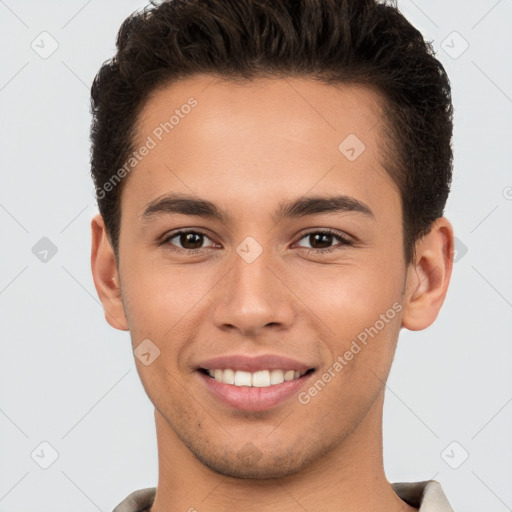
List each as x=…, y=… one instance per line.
x=253, y=363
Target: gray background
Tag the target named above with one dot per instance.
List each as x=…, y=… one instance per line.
x=68, y=379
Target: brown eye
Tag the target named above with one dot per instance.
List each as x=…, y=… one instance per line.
x=320, y=240
x=324, y=241
x=191, y=240
x=188, y=241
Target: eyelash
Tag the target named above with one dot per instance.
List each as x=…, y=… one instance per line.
x=343, y=241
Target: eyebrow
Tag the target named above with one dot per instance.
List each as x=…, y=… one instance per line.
x=190, y=205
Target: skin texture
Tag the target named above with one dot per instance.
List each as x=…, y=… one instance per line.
x=247, y=148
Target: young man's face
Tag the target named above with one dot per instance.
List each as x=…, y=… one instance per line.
x=256, y=282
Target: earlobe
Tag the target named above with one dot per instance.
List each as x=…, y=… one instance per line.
x=105, y=275
x=429, y=276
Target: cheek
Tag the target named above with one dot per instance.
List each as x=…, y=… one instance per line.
x=358, y=309
x=352, y=295
x=154, y=290
x=162, y=301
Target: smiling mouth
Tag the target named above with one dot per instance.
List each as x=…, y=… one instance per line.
x=258, y=379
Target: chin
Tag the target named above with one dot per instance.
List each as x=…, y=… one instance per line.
x=260, y=471
x=251, y=463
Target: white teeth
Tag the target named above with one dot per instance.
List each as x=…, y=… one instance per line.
x=276, y=377
x=289, y=375
x=228, y=377
x=259, y=379
x=241, y=378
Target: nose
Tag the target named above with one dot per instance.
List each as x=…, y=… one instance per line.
x=253, y=297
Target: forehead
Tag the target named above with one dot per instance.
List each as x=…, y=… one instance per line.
x=301, y=105
x=210, y=136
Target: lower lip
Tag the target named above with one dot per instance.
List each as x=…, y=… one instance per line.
x=248, y=398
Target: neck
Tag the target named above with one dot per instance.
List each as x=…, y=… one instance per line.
x=350, y=478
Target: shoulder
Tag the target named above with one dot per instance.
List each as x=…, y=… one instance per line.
x=427, y=495
x=137, y=501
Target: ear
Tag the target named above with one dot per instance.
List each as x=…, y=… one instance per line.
x=105, y=275
x=428, y=276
